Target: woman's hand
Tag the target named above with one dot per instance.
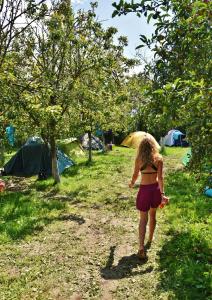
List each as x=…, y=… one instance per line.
x=131, y=185
x=165, y=199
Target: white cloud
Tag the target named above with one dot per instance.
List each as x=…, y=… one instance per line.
x=49, y=2
x=77, y=1
x=136, y=70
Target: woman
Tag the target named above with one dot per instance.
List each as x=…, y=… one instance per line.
x=150, y=164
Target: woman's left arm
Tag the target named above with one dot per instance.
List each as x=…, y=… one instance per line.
x=135, y=173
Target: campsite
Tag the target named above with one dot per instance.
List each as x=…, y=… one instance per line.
x=78, y=239
x=105, y=150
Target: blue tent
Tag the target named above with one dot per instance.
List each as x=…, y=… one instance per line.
x=63, y=161
x=175, y=138
x=208, y=191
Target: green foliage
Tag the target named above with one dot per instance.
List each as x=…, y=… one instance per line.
x=51, y=68
x=179, y=91
x=136, y=86
x=101, y=101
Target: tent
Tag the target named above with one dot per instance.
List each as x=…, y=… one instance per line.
x=175, y=138
x=34, y=140
x=96, y=143
x=34, y=158
x=208, y=191
x=71, y=147
x=133, y=139
x=186, y=159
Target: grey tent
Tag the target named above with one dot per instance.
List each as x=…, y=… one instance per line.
x=96, y=143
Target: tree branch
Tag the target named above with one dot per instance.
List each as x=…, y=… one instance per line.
x=21, y=14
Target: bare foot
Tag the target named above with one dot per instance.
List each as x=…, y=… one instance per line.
x=141, y=253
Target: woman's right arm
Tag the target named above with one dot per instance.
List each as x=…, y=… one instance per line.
x=135, y=173
x=160, y=176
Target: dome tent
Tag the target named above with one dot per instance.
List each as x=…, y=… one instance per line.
x=71, y=147
x=175, y=138
x=133, y=139
x=34, y=158
x=96, y=143
x=34, y=140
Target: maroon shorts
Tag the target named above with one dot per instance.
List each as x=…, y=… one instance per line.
x=148, y=196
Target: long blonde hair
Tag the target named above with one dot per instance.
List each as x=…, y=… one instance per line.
x=148, y=150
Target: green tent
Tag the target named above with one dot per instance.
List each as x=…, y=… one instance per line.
x=71, y=147
x=186, y=159
x=34, y=158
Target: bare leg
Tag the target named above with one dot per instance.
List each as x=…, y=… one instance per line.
x=142, y=228
x=152, y=222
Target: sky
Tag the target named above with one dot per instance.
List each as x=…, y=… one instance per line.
x=128, y=25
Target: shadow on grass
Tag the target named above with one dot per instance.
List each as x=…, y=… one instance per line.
x=124, y=268
x=74, y=170
x=23, y=214
x=72, y=217
x=184, y=266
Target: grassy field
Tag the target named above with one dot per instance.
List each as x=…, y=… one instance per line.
x=80, y=239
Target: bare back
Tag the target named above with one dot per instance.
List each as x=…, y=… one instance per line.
x=151, y=173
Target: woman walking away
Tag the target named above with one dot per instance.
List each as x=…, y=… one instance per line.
x=151, y=192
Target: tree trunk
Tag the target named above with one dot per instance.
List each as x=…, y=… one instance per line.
x=1, y=154
x=55, y=172
x=52, y=127
x=104, y=143
x=45, y=138
x=89, y=147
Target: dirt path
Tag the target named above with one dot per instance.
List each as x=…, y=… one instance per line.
x=88, y=252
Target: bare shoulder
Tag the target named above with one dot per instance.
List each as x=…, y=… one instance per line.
x=159, y=160
x=138, y=161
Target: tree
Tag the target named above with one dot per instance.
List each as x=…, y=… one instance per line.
x=102, y=103
x=136, y=86
x=181, y=71
x=15, y=17
x=59, y=52
x=102, y=96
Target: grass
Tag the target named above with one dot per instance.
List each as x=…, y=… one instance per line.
x=80, y=238
x=185, y=255
x=21, y=214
